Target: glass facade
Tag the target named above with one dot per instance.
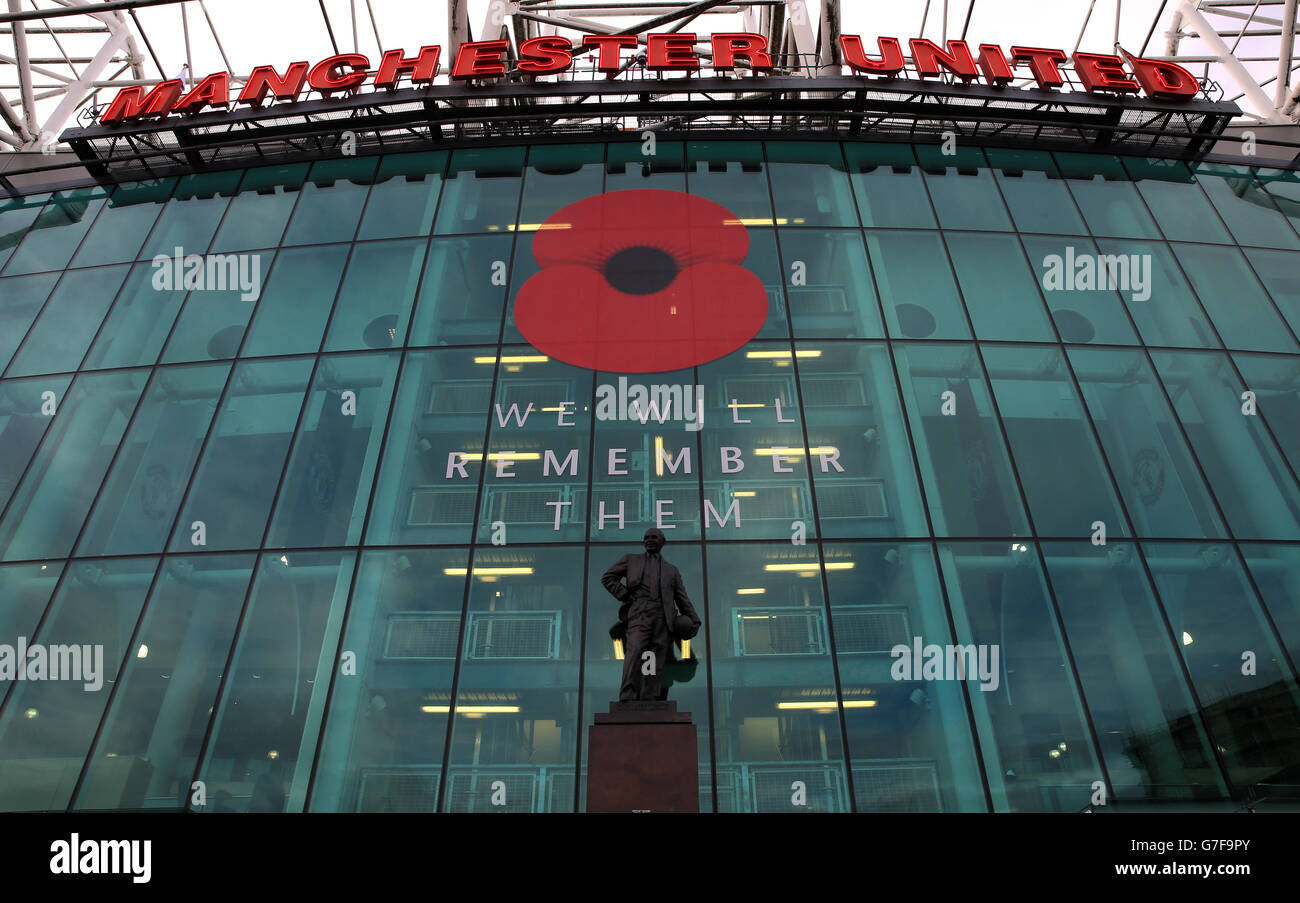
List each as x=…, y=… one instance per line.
x=338, y=528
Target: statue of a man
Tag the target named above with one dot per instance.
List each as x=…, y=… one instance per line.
x=648, y=614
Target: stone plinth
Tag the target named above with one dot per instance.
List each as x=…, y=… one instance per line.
x=642, y=758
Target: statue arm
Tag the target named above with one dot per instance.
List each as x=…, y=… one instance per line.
x=612, y=579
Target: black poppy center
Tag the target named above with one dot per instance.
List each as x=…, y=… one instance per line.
x=641, y=270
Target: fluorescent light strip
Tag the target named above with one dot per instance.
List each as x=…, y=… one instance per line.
x=488, y=572
x=811, y=566
x=828, y=704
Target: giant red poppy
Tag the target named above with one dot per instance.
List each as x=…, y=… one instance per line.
x=641, y=281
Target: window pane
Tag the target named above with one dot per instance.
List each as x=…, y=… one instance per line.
x=440, y=419
x=151, y=738
x=829, y=284
x=861, y=466
x=138, y=324
x=1157, y=475
x=626, y=167
x=1061, y=470
x=1277, y=270
x=1248, y=475
x=1283, y=186
x=16, y=216
x=771, y=665
x=325, y=490
x=1254, y=718
x=733, y=174
x=190, y=218
x=58, y=340
x=331, y=202
x=138, y=503
x=516, y=718
x=810, y=185
x=1082, y=313
x=23, y=298
x=26, y=413
x=999, y=288
x=258, y=214
x=295, y=304
x=557, y=176
x=48, y=725
x=1035, y=192
x=47, y=511
x=962, y=187
x=1276, y=572
x=1152, y=736
x=1110, y=202
x=1155, y=292
x=888, y=186
x=26, y=591
x=1276, y=383
x=1246, y=207
x=124, y=223
x=374, y=303
x=481, y=192
x=53, y=238
x=264, y=732
x=404, y=196
x=916, y=285
x=968, y=480
x=1037, y=748
x=1228, y=289
x=235, y=483
x=212, y=322
x=1180, y=207
x=385, y=731
x=463, y=290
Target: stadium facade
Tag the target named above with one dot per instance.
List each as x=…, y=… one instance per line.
x=321, y=421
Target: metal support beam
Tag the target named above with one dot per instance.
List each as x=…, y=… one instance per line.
x=24, y=72
x=1284, y=57
x=75, y=93
x=1252, y=93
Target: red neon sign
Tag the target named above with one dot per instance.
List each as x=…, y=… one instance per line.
x=665, y=52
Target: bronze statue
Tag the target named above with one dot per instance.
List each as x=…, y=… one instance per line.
x=647, y=615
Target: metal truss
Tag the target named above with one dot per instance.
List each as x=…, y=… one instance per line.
x=1248, y=43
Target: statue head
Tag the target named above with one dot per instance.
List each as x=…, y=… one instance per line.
x=654, y=539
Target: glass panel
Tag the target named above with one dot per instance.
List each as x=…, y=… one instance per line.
x=151, y=738
x=516, y=718
x=541, y=407
x=190, y=218
x=1253, y=713
x=888, y=186
x=26, y=412
x=481, y=192
x=331, y=201
x=234, y=485
x=138, y=502
x=1156, y=473
x=463, y=290
x=810, y=184
x=1277, y=271
x=374, y=303
x=1178, y=204
x=1276, y=571
x=910, y=739
x=829, y=285
x=627, y=167
x=1283, y=186
x=16, y=215
x=212, y=322
x=124, y=224
x=1109, y=201
x=684, y=678
x=754, y=456
x=1152, y=737
x=138, y=324
x=23, y=298
x=58, y=340
x=1240, y=309
x=47, y=511
x=1034, y=191
x=862, y=468
x=557, y=176
x=1061, y=470
x=26, y=590
x=264, y=732
x=733, y=174
x=1000, y=290
x=404, y=196
x=916, y=285
x=48, y=724
x=386, y=729
x=55, y=235
x=325, y=490
x=962, y=187
x=1152, y=286
x=440, y=419
x=1034, y=735
x=1082, y=313
x=296, y=302
x=969, y=485
x=775, y=703
x=1276, y=384
x=1258, y=495
x=258, y=214
x=1245, y=206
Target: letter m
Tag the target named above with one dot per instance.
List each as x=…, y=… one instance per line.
x=133, y=103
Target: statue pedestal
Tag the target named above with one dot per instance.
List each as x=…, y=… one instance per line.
x=642, y=757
